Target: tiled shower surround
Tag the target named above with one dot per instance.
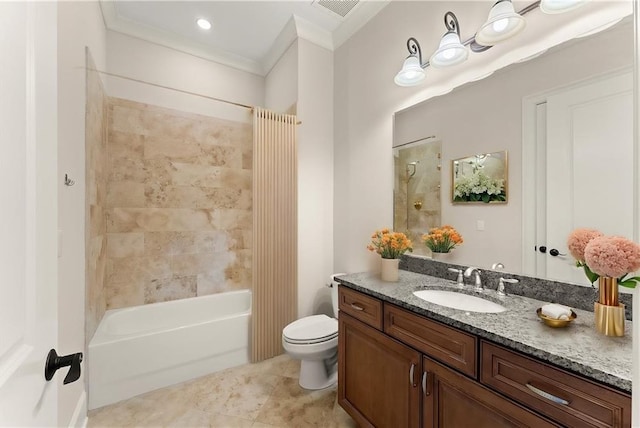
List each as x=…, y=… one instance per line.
x=178, y=204
x=96, y=184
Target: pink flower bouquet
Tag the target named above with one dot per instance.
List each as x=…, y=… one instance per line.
x=615, y=257
x=577, y=242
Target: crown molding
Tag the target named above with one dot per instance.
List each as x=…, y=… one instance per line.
x=295, y=28
x=313, y=33
x=116, y=23
x=287, y=36
x=365, y=12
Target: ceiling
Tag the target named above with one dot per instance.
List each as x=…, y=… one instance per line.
x=249, y=35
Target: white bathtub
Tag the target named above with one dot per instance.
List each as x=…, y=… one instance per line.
x=142, y=348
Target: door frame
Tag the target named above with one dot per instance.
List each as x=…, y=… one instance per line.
x=532, y=182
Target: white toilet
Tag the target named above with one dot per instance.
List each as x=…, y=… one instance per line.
x=314, y=341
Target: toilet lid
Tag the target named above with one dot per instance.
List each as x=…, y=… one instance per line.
x=313, y=328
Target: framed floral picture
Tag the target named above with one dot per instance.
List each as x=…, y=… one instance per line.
x=481, y=178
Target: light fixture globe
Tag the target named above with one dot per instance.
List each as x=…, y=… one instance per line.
x=553, y=7
x=450, y=52
x=503, y=23
x=411, y=73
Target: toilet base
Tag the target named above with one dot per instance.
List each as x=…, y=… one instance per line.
x=315, y=375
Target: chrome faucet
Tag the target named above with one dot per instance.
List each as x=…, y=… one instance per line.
x=478, y=281
x=459, y=279
x=501, y=291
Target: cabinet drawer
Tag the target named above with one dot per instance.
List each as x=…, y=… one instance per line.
x=553, y=392
x=360, y=306
x=447, y=345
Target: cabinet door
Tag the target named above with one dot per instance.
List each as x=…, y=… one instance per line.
x=378, y=377
x=451, y=400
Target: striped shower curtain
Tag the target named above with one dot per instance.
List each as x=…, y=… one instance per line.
x=275, y=230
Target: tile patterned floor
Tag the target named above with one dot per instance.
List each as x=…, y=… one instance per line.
x=263, y=395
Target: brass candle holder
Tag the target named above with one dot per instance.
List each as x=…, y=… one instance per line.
x=608, y=311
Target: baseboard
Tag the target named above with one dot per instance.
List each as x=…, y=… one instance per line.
x=79, y=418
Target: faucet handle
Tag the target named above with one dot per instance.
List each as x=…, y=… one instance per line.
x=497, y=266
x=459, y=279
x=501, y=291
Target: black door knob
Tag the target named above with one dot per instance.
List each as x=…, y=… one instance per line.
x=55, y=362
x=542, y=249
x=553, y=252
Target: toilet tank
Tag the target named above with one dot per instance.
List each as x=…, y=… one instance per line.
x=334, y=293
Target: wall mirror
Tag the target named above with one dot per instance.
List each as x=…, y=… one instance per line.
x=488, y=116
x=416, y=195
x=481, y=178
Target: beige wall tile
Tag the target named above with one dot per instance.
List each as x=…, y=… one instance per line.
x=179, y=203
x=125, y=145
x=238, y=277
x=95, y=200
x=247, y=159
x=125, y=245
x=125, y=194
x=127, y=119
x=97, y=224
x=137, y=269
x=159, y=196
x=227, y=219
x=193, y=264
x=212, y=282
x=170, y=147
x=216, y=241
x=176, y=287
x=127, y=169
x=210, y=176
x=124, y=294
x=169, y=243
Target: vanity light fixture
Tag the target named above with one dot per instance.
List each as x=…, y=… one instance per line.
x=451, y=51
x=203, y=23
x=559, y=6
x=503, y=22
x=412, y=71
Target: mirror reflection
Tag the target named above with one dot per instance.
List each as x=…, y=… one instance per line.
x=417, y=185
x=481, y=178
x=556, y=115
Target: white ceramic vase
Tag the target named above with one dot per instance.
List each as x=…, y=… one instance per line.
x=389, y=269
x=441, y=257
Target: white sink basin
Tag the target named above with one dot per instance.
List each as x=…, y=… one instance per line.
x=464, y=302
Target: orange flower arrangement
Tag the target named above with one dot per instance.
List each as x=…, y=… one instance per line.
x=390, y=245
x=442, y=239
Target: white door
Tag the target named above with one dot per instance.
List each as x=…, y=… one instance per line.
x=589, y=179
x=28, y=212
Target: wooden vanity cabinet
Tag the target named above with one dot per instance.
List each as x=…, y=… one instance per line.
x=378, y=377
x=556, y=393
x=399, y=369
x=452, y=400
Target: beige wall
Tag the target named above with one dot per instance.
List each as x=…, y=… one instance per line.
x=303, y=77
x=179, y=204
x=315, y=175
x=96, y=197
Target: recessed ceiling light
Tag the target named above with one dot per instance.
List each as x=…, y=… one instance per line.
x=203, y=23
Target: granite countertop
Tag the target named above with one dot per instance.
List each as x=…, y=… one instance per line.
x=578, y=347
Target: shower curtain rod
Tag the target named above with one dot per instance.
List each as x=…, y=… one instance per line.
x=414, y=141
x=177, y=90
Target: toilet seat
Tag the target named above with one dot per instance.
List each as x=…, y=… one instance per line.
x=310, y=330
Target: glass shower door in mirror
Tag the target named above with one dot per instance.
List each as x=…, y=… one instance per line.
x=416, y=194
